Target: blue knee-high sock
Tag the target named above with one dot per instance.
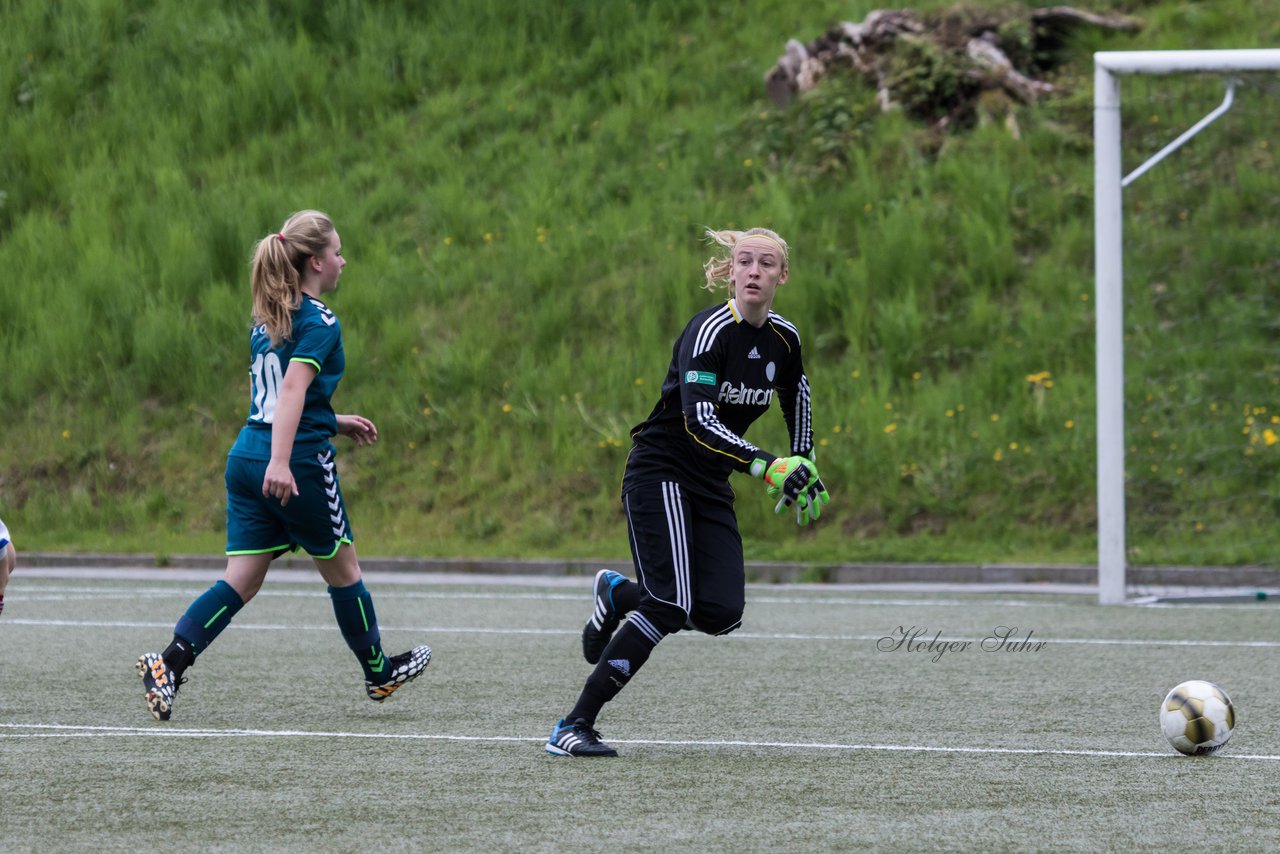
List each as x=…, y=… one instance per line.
x=207, y=616
x=353, y=606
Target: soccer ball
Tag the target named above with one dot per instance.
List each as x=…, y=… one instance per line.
x=1197, y=717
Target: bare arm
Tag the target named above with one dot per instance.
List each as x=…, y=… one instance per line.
x=284, y=427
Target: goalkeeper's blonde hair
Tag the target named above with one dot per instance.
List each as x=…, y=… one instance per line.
x=719, y=268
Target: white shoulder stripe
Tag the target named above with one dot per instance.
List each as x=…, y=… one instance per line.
x=710, y=328
x=326, y=313
x=784, y=323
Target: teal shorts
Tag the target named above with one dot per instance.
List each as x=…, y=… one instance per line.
x=314, y=520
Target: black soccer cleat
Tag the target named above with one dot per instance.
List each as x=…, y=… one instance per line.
x=577, y=739
x=158, y=684
x=405, y=667
x=604, y=619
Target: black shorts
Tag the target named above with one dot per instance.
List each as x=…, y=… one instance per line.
x=688, y=558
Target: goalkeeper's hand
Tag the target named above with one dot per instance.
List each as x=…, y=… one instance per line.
x=795, y=480
x=815, y=496
x=787, y=479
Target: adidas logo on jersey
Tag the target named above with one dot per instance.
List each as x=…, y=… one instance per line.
x=621, y=665
x=754, y=354
x=745, y=396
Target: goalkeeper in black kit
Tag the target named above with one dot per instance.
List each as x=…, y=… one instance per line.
x=727, y=366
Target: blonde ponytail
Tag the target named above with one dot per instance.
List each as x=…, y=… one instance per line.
x=278, y=262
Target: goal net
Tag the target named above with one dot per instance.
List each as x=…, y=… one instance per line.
x=1187, y=241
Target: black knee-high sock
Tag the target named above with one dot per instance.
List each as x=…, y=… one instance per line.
x=626, y=653
x=626, y=597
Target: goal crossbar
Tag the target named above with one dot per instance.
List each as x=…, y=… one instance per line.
x=1109, y=273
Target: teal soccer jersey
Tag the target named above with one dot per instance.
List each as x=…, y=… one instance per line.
x=316, y=518
x=317, y=340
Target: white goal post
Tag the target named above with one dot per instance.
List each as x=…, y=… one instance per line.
x=1109, y=269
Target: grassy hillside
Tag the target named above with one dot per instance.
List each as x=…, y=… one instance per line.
x=521, y=194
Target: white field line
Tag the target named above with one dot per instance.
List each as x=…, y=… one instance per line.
x=770, y=636
x=281, y=627
x=11, y=730
x=59, y=593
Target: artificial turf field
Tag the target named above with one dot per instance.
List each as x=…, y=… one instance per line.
x=803, y=731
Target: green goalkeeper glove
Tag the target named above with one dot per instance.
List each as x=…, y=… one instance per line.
x=795, y=480
x=815, y=496
x=787, y=479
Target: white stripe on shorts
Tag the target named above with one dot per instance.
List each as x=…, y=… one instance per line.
x=672, y=499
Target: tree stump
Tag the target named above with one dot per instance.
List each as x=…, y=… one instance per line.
x=939, y=66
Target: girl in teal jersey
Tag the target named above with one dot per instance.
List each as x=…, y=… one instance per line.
x=282, y=485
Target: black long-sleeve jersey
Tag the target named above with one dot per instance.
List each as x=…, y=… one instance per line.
x=724, y=373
